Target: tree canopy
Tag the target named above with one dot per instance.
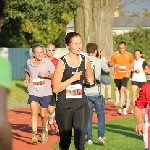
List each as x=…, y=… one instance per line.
x=36, y=21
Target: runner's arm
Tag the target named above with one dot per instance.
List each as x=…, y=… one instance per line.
x=26, y=76
x=104, y=66
x=145, y=67
x=50, y=75
x=140, y=103
x=111, y=61
x=131, y=63
x=88, y=73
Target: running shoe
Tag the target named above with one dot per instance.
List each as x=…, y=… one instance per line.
x=35, y=139
x=89, y=142
x=120, y=111
x=44, y=136
x=101, y=141
x=124, y=111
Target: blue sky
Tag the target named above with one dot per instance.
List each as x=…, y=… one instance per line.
x=136, y=6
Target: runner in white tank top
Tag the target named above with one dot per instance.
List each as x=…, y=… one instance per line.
x=138, y=74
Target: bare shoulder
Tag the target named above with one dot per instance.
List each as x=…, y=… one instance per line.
x=60, y=65
x=87, y=59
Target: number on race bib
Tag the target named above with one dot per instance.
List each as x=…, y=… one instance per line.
x=37, y=82
x=74, y=91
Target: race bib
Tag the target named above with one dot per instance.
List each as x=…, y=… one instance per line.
x=74, y=91
x=37, y=82
x=122, y=68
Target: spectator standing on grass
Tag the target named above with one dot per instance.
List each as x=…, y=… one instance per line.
x=38, y=73
x=5, y=86
x=94, y=95
x=105, y=77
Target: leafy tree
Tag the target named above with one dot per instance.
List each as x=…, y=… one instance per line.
x=137, y=39
x=135, y=14
x=146, y=12
x=36, y=21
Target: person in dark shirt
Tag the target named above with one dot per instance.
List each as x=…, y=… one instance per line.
x=72, y=111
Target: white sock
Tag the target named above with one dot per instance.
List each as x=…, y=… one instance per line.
x=46, y=125
x=117, y=96
x=51, y=117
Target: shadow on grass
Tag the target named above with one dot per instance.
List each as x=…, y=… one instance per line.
x=120, y=129
x=21, y=86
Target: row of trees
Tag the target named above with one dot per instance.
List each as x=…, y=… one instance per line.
x=138, y=39
x=146, y=13
x=43, y=21
x=37, y=21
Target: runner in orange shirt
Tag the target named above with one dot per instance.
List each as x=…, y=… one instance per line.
x=123, y=63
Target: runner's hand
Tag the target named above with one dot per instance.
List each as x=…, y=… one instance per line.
x=90, y=81
x=77, y=75
x=116, y=65
x=140, y=128
x=43, y=74
x=137, y=71
x=25, y=83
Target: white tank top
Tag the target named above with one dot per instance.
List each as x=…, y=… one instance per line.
x=139, y=77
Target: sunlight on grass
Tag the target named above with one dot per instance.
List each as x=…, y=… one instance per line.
x=18, y=92
x=119, y=135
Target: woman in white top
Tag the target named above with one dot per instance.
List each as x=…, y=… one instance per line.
x=139, y=69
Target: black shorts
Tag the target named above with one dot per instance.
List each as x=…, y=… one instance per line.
x=121, y=82
x=139, y=84
x=53, y=100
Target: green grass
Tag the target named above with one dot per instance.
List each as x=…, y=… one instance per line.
x=18, y=92
x=119, y=135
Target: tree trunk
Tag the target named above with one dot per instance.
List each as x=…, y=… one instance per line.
x=94, y=21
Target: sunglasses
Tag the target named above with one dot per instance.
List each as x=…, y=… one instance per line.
x=50, y=49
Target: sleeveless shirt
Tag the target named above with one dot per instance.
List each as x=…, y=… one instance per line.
x=73, y=96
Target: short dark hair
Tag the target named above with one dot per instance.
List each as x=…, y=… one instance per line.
x=122, y=42
x=35, y=46
x=91, y=48
x=69, y=36
x=138, y=50
x=2, y=7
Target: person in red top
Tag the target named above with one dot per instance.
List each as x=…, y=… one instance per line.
x=50, y=49
x=123, y=63
x=143, y=126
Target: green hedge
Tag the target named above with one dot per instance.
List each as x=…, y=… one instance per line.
x=137, y=39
